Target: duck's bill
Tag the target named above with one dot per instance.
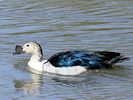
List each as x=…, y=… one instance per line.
x=18, y=50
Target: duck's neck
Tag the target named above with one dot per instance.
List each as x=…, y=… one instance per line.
x=36, y=57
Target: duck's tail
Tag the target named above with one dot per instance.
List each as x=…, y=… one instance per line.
x=118, y=59
x=112, y=57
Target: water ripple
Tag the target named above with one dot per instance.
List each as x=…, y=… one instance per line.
x=63, y=25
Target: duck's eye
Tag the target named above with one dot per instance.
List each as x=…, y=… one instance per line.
x=27, y=45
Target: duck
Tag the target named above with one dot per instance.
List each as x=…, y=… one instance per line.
x=72, y=62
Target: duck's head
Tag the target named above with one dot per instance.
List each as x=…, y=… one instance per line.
x=30, y=48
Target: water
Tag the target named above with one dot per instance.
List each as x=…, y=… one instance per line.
x=64, y=25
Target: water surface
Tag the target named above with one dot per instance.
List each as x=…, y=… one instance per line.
x=60, y=25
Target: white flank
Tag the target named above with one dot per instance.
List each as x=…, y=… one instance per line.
x=48, y=67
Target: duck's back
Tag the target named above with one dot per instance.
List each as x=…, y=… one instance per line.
x=87, y=59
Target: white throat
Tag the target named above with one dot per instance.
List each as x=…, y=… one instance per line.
x=36, y=62
x=36, y=58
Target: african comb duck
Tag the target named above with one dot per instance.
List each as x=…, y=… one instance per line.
x=69, y=62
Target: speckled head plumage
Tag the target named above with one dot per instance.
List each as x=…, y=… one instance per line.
x=32, y=48
x=29, y=47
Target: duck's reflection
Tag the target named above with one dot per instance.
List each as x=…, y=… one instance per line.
x=33, y=86
x=30, y=86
